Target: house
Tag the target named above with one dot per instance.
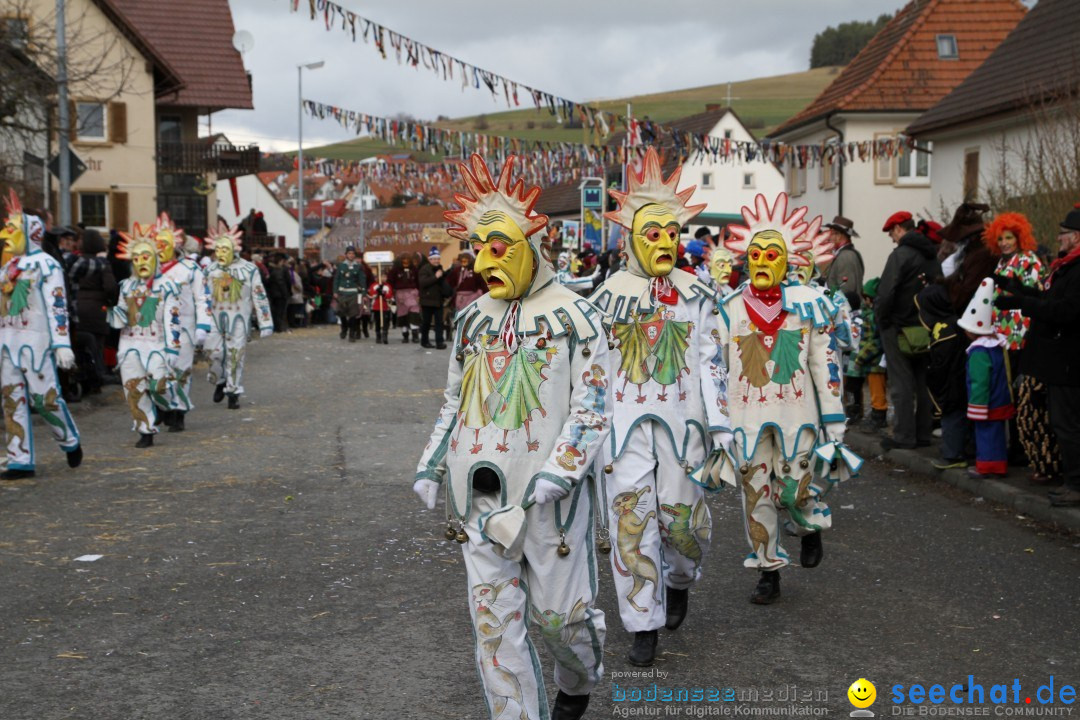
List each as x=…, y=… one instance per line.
x=254, y=192
x=1022, y=100
x=922, y=54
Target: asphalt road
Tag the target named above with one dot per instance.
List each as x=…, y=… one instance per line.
x=273, y=562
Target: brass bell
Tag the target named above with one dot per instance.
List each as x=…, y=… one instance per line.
x=609, y=469
x=450, y=533
x=611, y=346
x=461, y=537
x=586, y=352
x=604, y=546
x=687, y=468
x=804, y=463
x=716, y=311
x=744, y=469
x=460, y=357
x=563, y=550
x=787, y=468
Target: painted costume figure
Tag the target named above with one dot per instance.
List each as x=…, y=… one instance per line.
x=147, y=314
x=989, y=382
x=194, y=300
x=669, y=390
x=34, y=340
x=236, y=290
x=777, y=339
x=524, y=418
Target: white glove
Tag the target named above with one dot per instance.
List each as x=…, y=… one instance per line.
x=200, y=337
x=266, y=332
x=722, y=440
x=546, y=491
x=835, y=431
x=428, y=490
x=65, y=358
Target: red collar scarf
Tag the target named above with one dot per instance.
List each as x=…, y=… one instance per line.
x=765, y=308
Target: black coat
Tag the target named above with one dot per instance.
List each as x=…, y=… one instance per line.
x=946, y=378
x=1052, y=343
x=431, y=294
x=909, y=268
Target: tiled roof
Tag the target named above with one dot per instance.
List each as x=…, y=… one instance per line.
x=899, y=69
x=195, y=36
x=166, y=77
x=1035, y=62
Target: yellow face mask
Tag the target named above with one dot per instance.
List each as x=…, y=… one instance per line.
x=166, y=245
x=144, y=259
x=655, y=239
x=504, y=257
x=766, y=259
x=720, y=269
x=224, y=252
x=14, y=238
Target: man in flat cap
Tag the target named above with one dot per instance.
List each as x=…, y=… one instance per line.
x=847, y=268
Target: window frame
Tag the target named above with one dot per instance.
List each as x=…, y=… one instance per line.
x=707, y=182
x=948, y=37
x=912, y=179
x=79, y=136
x=753, y=181
x=89, y=193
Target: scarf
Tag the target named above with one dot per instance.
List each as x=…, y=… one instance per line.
x=765, y=308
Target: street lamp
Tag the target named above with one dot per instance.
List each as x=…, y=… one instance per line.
x=300, y=139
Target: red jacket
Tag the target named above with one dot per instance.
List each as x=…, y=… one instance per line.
x=381, y=292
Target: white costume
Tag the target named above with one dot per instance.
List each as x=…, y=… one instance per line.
x=236, y=290
x=34, y=337
x=524, y=418
x=669, y=404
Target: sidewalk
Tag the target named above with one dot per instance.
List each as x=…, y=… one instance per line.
x=1013, y=491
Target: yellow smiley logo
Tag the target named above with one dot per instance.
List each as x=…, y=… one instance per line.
x=862, y=693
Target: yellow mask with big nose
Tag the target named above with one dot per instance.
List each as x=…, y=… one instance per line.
x=766, y=259
x=504, y=257
x=13, y=236
x=655, y=239
x=166, y=245
x=224, y=252
x=144, y=260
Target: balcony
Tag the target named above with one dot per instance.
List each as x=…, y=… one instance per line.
x=196, y=158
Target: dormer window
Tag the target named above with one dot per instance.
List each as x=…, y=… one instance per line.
x=946, y=47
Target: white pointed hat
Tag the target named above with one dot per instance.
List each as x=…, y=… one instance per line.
x=978, y=315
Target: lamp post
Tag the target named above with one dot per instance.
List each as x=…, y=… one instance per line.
x=300, y=140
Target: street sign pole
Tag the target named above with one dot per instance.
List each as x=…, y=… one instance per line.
x=62, y=132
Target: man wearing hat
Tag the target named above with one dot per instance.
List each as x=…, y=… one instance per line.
x=349, y=279
x=909, y=268
x=1052, y=347
x=430, y=279
x=847, y=268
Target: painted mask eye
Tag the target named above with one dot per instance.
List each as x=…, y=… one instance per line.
x=771, y=255
x=497, y=248
x=673, y=232
x=477, y=247
x=653, y=235
x=755, y=255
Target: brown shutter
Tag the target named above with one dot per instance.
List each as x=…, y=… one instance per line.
x=971, y=175
x=118, y=122
x=76, y=212
x=73, y=121
x=118, y=211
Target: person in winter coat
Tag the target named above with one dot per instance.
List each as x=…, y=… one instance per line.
x=381, y=294
x=402, y=277
x=431, y=280
x=465, y=282
x=911, y=265
x=945, y=377
x=92, y=272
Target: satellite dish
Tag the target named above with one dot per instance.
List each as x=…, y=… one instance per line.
x=243, y=41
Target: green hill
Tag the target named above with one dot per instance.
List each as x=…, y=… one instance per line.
x=762, y=103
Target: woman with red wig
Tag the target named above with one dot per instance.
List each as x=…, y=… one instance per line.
x=1010, y=240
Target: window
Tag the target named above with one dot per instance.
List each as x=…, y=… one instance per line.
x=946, y=47
x=830, y=166
x=796, y=182
x=971, y=174
x=748, y=180
x=727, y=134
x=90, y=121
x=93, y=210
x=913, y=165
x=884, y=165
x=169, y=129
x=706, y=180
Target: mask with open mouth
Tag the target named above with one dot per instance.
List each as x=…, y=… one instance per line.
x=772, y=238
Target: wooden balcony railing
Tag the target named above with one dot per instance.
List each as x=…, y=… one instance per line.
x=195, y=158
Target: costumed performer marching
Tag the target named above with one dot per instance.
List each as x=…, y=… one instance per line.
x=670, y=409
x=35, y=339
x=524, y=418
x=236, y=290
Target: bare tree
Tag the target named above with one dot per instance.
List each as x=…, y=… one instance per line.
x=100, y=64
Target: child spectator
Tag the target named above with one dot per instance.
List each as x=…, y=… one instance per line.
x=866, y=364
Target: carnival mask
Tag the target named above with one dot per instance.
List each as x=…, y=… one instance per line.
x=13, y=236
x=767, y=259
x=166, y=244
x=144, y=260
x=224, y=252
x=655, y=239
x=720, y=266
x=504, y=257
x=802, y=274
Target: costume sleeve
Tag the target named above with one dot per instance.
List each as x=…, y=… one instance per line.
x=586, y=428
x=262, y=304
x=432, y=464
x=52, y=285
x=978, y=371
x=712, y=367
x=337, y=279
x=118, y=313
x=173, y=327
x=824, y=361
x=1058, y=312
x=883, y=303
x=201, y=289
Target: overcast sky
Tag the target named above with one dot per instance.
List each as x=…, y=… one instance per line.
x=578, y=49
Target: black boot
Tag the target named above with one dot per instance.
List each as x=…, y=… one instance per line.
x=344, y=328
x=425, y=343
x=364, y=321
x=354, y=329
x=219, y=393
x=145, y=440
x=178, y=422
x=812, y=552
x=643, y=652
x=405, y=336
x=854, y=386
x=877, y=419
x=384, y=338
x=768, y=588
x=416, y=336
x=569, y=707
x=13, y=474
x=677, y=601
x=234, y=401
x=74, y=457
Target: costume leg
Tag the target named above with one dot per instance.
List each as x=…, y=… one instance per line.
x=685, y=520
x=215, y=350
x=879, y=399
x=134, y=377
x=235, y=350
x=759, y=508
x=991, y=447
x=562, y=590
x=636, y=560
x=1064, y=401
x=20, y=434
x=180, y=376
x=48, y=402
x=800, y=488
x=508, y=665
